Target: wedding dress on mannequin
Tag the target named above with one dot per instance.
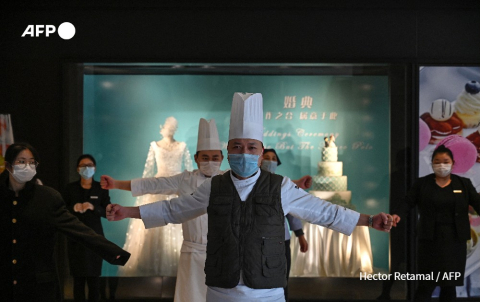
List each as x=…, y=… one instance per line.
x=155, y=252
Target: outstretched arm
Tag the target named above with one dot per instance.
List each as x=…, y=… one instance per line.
x=315, y=210
x=70, y=226
x=109, y=183
x=160, y=213
x=381, y=222
x=116, y=212
x=142, y=186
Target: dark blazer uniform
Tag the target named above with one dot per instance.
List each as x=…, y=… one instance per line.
x=83, y=261
x=443, y=227
x=465, y=195
x=29, y=224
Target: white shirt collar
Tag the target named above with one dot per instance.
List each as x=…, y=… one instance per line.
x=243, y=183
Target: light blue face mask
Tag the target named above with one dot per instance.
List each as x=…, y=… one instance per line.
x=86, y=172
x=244, y=165
x=269, y=165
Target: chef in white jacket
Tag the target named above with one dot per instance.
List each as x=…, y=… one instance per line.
x=245, y=252
x=190, y=286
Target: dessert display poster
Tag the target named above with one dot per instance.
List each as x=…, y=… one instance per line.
x=122, y=115
x=6, y=137
x=449, y=108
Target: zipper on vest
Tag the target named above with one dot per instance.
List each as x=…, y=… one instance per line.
x=242, y=233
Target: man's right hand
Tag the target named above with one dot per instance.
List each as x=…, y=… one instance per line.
x=107, y=182
x=116, y=212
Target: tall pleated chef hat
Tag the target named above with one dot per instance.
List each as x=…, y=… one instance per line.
x=207, y=135
x=246, y=118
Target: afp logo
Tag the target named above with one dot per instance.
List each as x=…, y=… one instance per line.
x=66, y=31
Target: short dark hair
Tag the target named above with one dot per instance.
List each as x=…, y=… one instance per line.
x=273, y=150
x=90, y=157
x=14, y=149
x=442, y=149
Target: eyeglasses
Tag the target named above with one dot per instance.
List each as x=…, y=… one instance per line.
x=88, y=165
x=23, y=163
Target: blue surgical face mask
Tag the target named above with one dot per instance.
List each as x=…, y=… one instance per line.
x=269, y=165
x=86, y=172
x=244, y=165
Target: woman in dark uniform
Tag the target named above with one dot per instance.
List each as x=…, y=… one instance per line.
x=443, y=229
x=87, y=201
x=30, y=217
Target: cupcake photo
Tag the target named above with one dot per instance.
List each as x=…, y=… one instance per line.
x=467, y=104
x=474, y=137
x=442, y=120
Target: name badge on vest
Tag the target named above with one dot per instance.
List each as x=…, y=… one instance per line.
x=457, y=191
x=96, y=197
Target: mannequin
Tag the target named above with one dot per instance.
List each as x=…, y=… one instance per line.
x=156, y=252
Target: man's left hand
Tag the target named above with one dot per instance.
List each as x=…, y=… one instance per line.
x=382, y=222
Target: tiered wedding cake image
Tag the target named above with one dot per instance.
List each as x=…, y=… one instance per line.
x=330, y=253
x=330, y=183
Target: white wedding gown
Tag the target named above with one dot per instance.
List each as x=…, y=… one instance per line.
x=155, y=252
x=332, y=254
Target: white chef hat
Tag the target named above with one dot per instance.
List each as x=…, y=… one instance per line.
x=207, y=135
x=246, y=118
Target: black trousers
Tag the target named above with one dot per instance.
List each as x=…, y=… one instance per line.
x=112, y=284
x=93, y=289
x=288, y=254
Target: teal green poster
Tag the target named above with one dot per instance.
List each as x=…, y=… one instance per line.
x=122, y=115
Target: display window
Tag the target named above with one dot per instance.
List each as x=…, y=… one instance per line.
x=306, y=106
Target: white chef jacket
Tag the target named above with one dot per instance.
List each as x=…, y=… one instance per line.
x=190, y=285
x=294, y=201
x=185, y=183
